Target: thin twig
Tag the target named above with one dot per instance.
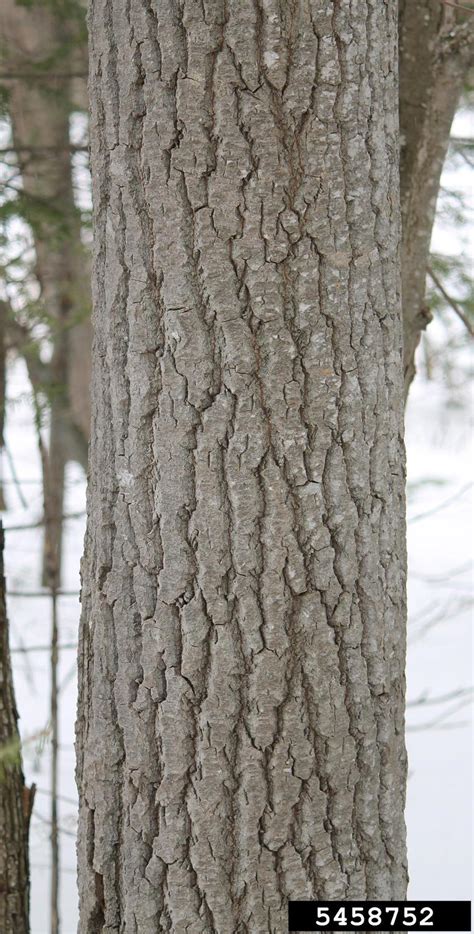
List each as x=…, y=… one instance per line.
x=46, y=791
x=68, y=869
x=430, y=724
x=443, y=505
x=15, y=478
x=29, y=671
x=446, y=577
x=46, y=149
x=460, y=607
x=461, y=140
x=39, y=74
x=466, y=159
x=68, y=676
x=42, y=648
x=42, y=593
x=425, y=699
x=45, y=820
x=41, y=522
x=31, y=481
x=458, y=6
x=451, y=301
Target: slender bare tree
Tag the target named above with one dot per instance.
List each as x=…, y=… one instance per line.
x=241, y=712
x=15, y=799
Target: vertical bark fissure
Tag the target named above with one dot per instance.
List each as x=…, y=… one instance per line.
x=245, y=545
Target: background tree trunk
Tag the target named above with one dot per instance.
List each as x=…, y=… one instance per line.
x=39, y=55
x=241, y=711
x=3, y=392
x=436, y=49
x=15, y=800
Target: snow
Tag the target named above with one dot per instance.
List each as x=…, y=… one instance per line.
x=439, y=804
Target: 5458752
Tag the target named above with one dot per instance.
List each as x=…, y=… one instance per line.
x=379, y=916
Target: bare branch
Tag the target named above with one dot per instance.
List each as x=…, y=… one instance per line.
x=425, y=699
x=467, y=141
x=451, y=301
x=15, y=477
x=458, y=6
x=46, y=791
x=46, y=149
x=39, y=75
x=46, y=820
x=42, y=593
x=40, y=523
x=43, y=648
x=443, y=505
x=431, y=724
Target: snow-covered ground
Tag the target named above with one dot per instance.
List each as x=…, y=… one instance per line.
x=440, y=600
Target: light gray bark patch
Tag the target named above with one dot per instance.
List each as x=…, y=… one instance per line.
x=240, y=728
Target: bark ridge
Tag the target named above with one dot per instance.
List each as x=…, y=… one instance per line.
x=241, y=711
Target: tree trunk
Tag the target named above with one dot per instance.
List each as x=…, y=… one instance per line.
x=37, y=65
x=436, y=48
x=15, y=800
x=241, y=710
x=3, y=395
x=42, y=48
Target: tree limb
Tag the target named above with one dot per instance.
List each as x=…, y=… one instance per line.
x=451, y=301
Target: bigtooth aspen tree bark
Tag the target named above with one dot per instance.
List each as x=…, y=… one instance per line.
x=241, y=711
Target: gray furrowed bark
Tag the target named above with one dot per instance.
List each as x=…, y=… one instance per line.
x=241, y=713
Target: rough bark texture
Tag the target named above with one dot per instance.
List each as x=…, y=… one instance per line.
x=14, y=797
x=241, y=712
x=436, y=50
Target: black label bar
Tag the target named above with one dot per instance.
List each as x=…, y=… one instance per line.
x=379, y=916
